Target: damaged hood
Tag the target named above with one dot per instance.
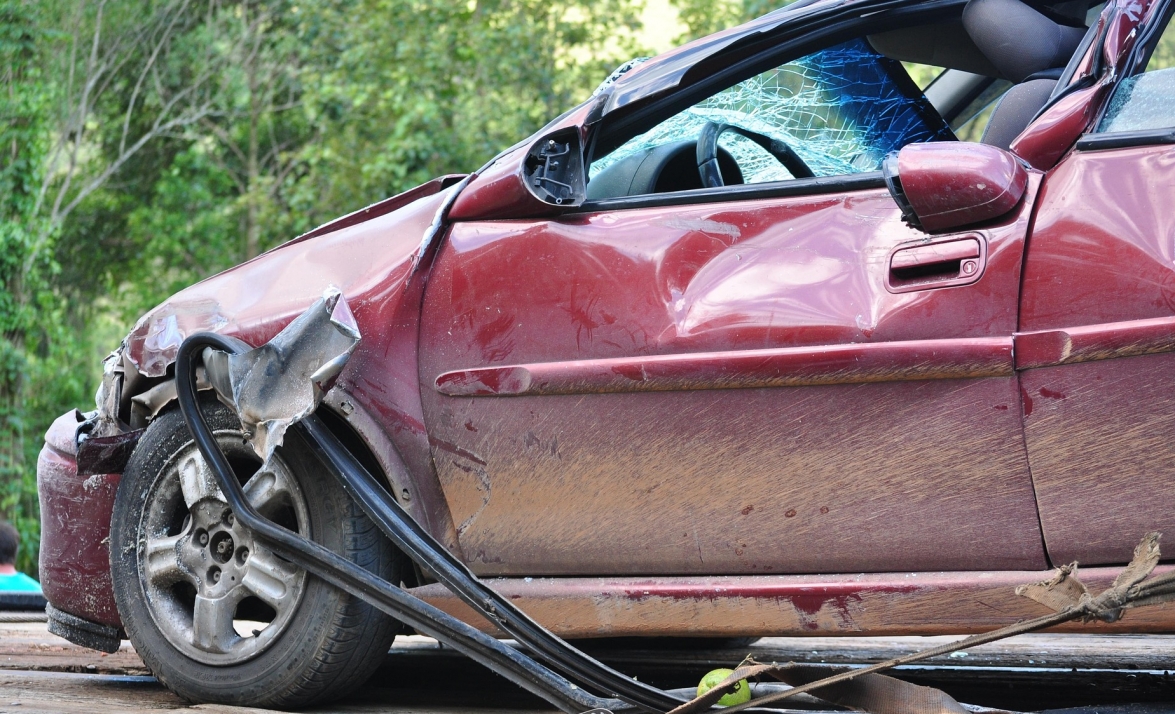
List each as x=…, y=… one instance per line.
x=366, y=255
x=278, y=384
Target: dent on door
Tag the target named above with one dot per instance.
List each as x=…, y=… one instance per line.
x=605, y=394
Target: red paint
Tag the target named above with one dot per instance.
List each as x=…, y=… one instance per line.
x=384, y=207
x=500, y=191
x=255, y=300
x=1098, y=326
x=1052, y=134
x=1123, y=30
x=926, y=254
x=795, y=366
x=577, y=318
x=953, y=184
x=1041, y=349
x=811, y=603
x=1102, y=459
x=789, y=605
x=808, y=601
x=1095, y=342
x=1101, y=269
x=499, y=380
x=457, y=451
x=666, y=281
x=809, y=594
x=75, y=529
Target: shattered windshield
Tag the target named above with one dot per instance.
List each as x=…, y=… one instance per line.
x=841, y=109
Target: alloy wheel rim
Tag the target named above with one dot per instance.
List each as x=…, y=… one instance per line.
x=217, y=595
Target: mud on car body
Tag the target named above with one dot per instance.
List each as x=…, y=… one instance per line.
x=749, y=343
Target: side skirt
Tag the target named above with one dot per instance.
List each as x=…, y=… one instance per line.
x=789, y=605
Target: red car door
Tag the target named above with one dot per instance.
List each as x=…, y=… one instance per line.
x=1099, y=321
x=777, y=377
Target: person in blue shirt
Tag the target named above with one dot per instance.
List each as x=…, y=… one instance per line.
x=10, y=578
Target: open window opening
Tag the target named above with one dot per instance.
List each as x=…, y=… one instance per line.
x=979, y=75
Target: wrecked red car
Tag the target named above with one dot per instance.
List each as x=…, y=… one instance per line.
x=761, y=339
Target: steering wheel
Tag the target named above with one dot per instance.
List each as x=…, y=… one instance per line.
x=708, y=153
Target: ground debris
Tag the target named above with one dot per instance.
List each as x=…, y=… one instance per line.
x=875, y=693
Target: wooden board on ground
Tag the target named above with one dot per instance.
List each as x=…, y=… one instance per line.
x=29, y=646
x=45, y=673
x=1145, y=652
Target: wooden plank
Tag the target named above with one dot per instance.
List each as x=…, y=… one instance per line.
x=1066, y=651
x=29, y=646
x=1027, y=673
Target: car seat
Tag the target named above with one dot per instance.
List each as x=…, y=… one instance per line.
x=1027, y=48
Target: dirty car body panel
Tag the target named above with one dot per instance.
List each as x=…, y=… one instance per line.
x=752, y=409
x=820, y=476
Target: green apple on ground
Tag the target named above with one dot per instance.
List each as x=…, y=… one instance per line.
x=740, y=694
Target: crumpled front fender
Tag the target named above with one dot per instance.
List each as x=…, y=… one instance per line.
x=366, y=255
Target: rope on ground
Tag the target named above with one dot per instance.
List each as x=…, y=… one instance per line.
x=866, y=689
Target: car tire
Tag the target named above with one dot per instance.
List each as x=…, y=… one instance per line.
x=182, y=574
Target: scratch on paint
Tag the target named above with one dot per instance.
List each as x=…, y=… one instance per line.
x=702, y=225
x=457, y=451
x=483, y=487
x=698, y=543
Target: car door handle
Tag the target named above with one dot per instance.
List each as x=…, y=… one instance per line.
x=951, y=262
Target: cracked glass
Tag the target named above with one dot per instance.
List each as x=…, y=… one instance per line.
x=841, y=110
x=1144, y=101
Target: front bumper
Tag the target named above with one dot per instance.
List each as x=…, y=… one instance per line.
x=75, y=530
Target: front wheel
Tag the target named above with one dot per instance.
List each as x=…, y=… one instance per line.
x=215, y=615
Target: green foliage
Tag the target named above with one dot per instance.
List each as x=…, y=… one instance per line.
x=922, y=74
x=432, y=86
x=26, y=365
x=20, y=145
x=1163, y=56
x=323, y=108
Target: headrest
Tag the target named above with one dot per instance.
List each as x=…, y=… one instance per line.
x=1019, y=40
x=943, y=44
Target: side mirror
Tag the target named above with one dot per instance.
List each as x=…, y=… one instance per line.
x=542, y=179
x=942, y=186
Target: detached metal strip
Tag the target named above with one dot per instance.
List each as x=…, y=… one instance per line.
x=349, y=577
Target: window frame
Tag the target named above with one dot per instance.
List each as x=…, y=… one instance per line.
x=1140, y=55
x=631, y=123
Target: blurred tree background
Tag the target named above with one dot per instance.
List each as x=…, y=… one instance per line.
x=146, y=144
